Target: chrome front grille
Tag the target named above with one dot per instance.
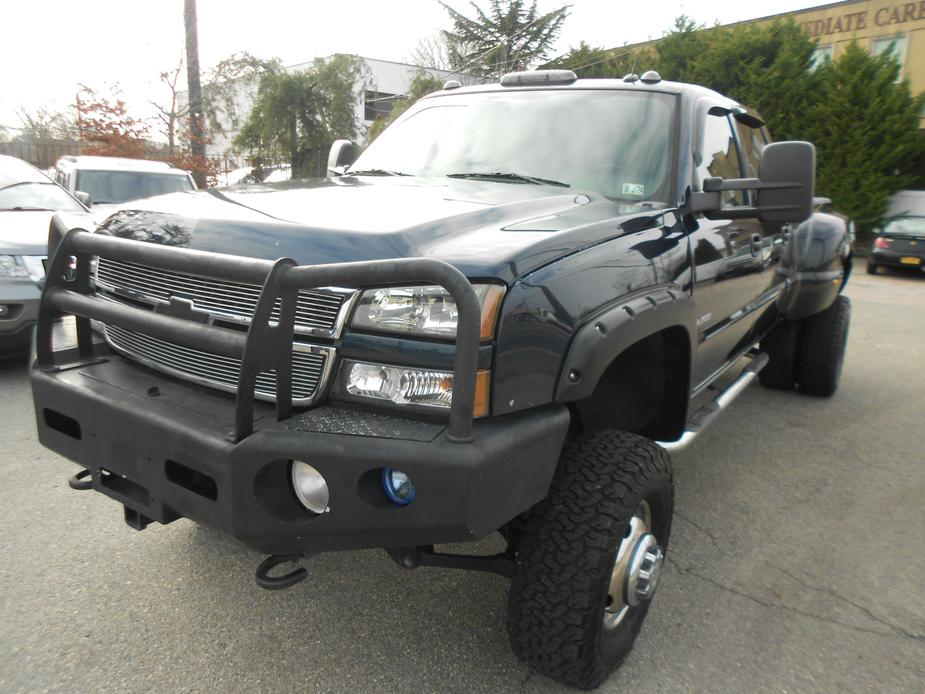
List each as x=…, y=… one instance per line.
x=319, y=312
x=310, y=365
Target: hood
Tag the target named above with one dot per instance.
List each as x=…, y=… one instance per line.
x=26, y=232
x=486, y=229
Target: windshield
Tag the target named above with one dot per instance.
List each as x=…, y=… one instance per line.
x=617, y=143
x=907, y=226
x=122, y=186
x=37, y=196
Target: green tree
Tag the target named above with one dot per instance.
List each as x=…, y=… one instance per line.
x=595, y=62
x=510, y=35
x=298, y=115
x=864, y=125
x=224, y=82
x=423, y=84
x=861, y=118
x=768, y=67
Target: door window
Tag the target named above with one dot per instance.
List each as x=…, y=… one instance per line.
x=719, y=157
x=752, y=142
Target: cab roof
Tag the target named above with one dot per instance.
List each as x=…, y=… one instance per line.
x=693, y=92
x=93, y=163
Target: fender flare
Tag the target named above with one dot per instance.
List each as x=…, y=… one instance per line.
x=815, y=265
x=620, y=325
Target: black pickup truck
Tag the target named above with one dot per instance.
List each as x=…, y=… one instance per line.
x=502, y=316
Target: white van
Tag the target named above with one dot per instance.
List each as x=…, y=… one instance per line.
x=110, y=181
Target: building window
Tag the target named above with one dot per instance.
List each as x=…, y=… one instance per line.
x=895, y=46
x=378, y=104
x=820, y=56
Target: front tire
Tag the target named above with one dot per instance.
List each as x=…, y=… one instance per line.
x=822, y=349
x=576, y=571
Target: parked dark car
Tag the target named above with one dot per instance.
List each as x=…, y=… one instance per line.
x=28, y=200
x=502, y=317
x=901, y=241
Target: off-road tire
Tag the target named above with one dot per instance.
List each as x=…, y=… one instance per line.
x=782, y=346
x=565, y=555
x=871, y=268
x=822, y=349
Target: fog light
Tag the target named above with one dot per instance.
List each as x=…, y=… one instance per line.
x=4, y=309
x=310, y=487
x=398, y=486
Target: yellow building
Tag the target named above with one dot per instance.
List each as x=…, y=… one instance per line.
x=877, y=25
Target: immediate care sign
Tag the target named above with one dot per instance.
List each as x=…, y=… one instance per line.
x=859, y=21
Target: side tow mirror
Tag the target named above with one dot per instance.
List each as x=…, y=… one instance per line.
x=343, y=153
x=786, y=183
x=83, y=197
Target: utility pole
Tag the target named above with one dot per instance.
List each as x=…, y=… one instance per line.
x=197, y=133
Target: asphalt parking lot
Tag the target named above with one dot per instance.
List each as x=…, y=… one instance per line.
x=797, y=563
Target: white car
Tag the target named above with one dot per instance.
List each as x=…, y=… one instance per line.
x=107, y=182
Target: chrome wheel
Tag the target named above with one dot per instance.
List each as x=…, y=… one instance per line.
x=636, y=569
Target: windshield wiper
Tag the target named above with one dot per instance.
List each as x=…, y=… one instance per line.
x=511, y=177
x=375, y=172
x=26, y=208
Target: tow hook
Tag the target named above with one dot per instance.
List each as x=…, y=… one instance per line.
x=268, y=582
x=81, y=481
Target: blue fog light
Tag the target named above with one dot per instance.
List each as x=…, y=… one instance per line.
x=398, y=486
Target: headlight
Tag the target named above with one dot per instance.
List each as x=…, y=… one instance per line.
x=22, y=266
x=402, y=385
x=429, y=311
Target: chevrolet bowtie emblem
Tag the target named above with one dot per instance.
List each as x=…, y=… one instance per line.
x=179, y=307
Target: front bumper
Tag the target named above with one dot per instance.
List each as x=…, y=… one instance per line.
x=161, y=448
x=895, y=258
x=22, y=300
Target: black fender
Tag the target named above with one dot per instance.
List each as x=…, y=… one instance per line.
x=814, y=264
x=622, y=324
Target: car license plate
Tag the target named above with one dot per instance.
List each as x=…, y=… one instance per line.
x=910, y=260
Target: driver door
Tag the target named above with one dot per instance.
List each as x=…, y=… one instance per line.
x=727, y=254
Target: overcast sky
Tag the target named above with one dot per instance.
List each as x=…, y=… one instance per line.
x=48, y=46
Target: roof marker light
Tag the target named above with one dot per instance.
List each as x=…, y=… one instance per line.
x=538, y=77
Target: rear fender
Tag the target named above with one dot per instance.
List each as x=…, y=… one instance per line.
x=814, y=262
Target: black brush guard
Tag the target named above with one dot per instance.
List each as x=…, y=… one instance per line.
x=166, y=449
x=265, y=346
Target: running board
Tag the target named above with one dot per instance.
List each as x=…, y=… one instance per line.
x=705, y=416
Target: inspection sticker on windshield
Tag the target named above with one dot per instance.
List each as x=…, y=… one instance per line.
x=634, y=189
